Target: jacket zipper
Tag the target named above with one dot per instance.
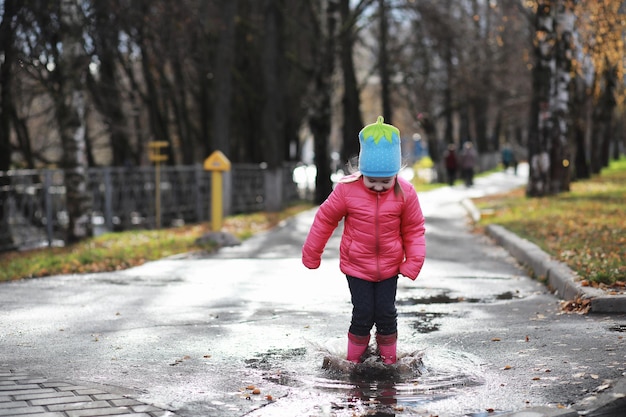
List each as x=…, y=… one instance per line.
x=377, y=236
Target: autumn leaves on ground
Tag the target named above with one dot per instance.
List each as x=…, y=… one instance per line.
x=585, y=228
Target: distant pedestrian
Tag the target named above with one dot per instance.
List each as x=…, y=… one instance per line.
x=383, y=237
x=468, y=160
x=507, y=157
x=451, y=161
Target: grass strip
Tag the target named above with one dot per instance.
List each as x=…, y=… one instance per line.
x=117, y=251
x=585, y=228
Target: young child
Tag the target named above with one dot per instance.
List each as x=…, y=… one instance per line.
x=383, y=236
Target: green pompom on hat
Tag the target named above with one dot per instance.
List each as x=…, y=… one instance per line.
x=380, y=154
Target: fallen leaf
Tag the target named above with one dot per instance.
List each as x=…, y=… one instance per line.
x=578, y=305
x=496, y=339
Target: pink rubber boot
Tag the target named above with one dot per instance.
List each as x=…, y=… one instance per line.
x=357, y=345
x=387, y=347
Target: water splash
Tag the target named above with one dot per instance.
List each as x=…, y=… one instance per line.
x=323, y=383
x=418, y=378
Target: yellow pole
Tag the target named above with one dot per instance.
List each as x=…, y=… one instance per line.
x=156, y=157
x=157, y=193
x=216, y=201
x=216, y=163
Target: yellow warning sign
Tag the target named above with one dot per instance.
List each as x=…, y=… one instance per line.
x=217, y=161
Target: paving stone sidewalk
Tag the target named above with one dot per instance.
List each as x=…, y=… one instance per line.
x=25, y=395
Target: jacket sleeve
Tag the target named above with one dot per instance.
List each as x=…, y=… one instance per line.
x=413, y=236
x=326, y=221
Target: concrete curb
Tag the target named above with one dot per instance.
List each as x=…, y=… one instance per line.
x=557, y=274
x=560, y=277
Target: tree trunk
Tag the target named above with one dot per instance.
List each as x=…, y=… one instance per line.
x=579, y=123
x=6, y=105
x=320, y=119
x=70, y=111
x=352, y=120
x=383, y=64
x=273, y=122
x=479, y=94
x=153, y=99
x=177, y=94
x=6, y=75
x=223, y=80
x=105, y=92
x=607, y=106
x=560, y=100
x=448, y=44
x=548, y=145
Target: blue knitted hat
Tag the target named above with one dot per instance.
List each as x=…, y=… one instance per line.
x=380, y=154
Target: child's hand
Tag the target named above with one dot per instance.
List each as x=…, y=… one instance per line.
x=405, y=272
x=311, y=263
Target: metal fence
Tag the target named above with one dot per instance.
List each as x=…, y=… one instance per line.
x=33, y=210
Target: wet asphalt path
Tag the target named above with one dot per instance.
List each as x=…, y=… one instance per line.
x=245, y=332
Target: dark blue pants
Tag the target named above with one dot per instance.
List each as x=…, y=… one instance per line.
x=373, y=303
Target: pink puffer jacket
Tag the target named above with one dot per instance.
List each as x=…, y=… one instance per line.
x=383, y=233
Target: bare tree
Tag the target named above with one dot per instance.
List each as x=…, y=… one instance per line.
x=7, y=50
x=352, y=120
x=320, y=97
x=105, y=88
x=383, y=61
x=548, y=136
x=226, y=50
x=7, y=46
x=600, y=27
x=69, y=98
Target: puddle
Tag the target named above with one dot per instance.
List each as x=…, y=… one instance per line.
x=136, y=280
x=505, y=296
x=275, y=357
x=322, y=382
x=620, y=328
x=444, y=297
x=425, y=321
